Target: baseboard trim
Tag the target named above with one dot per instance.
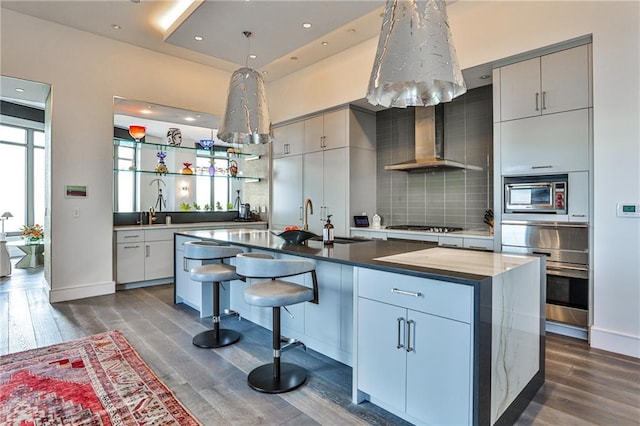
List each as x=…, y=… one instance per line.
x=81, y=291
x=613, y=341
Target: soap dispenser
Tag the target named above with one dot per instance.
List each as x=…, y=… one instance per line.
x=327, y=231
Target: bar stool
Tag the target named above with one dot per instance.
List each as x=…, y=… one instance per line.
x=276, y=377
x=216, y=273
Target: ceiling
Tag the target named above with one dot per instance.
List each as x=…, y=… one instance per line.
x=279, y=41
x=278, y=34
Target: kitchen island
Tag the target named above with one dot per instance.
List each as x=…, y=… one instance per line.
x=434, y=335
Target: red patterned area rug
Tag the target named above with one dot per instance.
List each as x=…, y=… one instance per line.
x=98, y=380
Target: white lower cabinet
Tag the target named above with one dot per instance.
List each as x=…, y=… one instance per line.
x=144, y=255
x=412, y=359
x=130, y=262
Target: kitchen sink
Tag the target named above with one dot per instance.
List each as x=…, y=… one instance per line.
x=341, y=240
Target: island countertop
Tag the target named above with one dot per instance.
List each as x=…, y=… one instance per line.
x=426, y=260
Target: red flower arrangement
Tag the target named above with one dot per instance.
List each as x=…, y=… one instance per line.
x=32, y=233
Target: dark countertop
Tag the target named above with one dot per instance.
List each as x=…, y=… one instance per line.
x=355, y=254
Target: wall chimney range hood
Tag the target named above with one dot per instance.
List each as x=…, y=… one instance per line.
x=429, y=150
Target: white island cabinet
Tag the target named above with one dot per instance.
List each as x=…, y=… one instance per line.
x=414, y=352
x=422, y=345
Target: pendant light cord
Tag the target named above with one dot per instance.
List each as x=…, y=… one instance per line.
x=247, y=34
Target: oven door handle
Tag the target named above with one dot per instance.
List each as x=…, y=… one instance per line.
x=568, y=272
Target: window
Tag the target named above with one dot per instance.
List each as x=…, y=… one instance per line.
x=23, y=175
x=211, y=192
x=125, y=184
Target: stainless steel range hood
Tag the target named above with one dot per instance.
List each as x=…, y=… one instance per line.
x=429, y=154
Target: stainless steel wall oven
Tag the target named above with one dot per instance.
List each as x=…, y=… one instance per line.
x=566, y=247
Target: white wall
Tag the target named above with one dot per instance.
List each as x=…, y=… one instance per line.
x=85, y=72
x=486, y=31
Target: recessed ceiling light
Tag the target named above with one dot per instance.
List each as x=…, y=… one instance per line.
x=189, y=119
x=116, y=27
x=252, y=56
x=19, y=89
x=199, y=38
x=324, y=43
x=351, y=30
x=485, y=76
x=294, y=58
x=265, y=72
x=306, y=25
x=146, y=111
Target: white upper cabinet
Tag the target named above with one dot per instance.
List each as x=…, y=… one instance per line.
x=326, y=131
x=548, y=84
x=288, y=139
x=556, y=143
x=325, y=183
x=336, y=172
x=287, y=192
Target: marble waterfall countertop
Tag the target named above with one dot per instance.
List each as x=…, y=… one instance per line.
x=406, y=257
x=473, y=261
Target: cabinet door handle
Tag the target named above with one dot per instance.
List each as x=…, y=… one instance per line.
x=131, y=247
x=408, y=342
x=406, y=293
x=537, y=101
x=301, y=213
x=449, y=245
x=544, y=100
x=400, y=345
x=185, y=264
x=147, y=250
x=478, y=248
x=542, y=167
x=132, y=236
x=578, y=215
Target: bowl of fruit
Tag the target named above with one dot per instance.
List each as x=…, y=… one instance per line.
x=294, y=235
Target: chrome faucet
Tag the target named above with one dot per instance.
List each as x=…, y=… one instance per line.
x=307, y=203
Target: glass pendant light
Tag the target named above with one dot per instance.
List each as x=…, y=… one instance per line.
x=416, y=63
x=246, y=119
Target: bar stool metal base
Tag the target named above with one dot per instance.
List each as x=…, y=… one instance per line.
x=291, y=377
x=208, y=339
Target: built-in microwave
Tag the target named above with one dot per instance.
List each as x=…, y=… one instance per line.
x=536, y=194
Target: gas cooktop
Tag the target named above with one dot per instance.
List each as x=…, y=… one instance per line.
x=424, y=228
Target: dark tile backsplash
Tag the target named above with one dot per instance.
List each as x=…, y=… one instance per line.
x=447, y=197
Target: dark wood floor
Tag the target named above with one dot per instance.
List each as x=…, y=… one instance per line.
x=583, y=386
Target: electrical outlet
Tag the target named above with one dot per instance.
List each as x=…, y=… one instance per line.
x=76, y=212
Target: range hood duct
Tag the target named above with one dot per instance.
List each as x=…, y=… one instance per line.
x=429, y=150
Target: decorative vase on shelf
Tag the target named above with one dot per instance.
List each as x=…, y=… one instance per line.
x=233, y=168
x=161, y=167
x=186, y=170
x=212, y=169
x=174, y=137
